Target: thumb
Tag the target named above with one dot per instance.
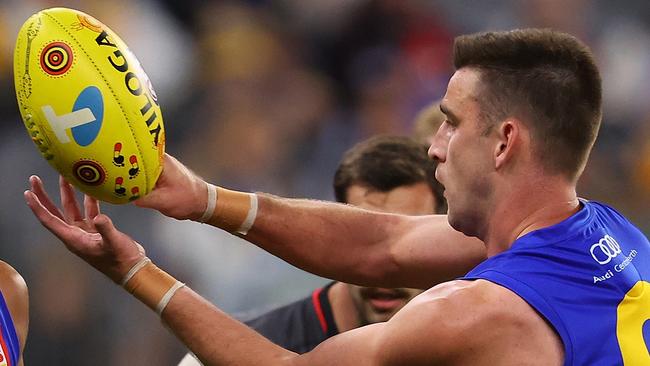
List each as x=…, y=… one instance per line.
x=147, y=201
x=105, y=227
x=118, y=253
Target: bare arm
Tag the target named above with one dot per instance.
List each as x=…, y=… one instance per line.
x=335, y=240
x=434, y=328
x=213, y=336
x=363, y=247
x=14, y=290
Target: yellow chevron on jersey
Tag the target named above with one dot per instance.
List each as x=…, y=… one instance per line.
x=633, y=313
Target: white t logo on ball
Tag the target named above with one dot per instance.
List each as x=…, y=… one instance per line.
x=66, y=121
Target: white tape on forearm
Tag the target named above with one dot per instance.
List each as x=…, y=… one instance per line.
x=168, y=296
x=250, y=218
x=212, y=203
x=136, y=267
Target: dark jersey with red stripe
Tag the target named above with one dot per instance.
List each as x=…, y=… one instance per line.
x=301, y=325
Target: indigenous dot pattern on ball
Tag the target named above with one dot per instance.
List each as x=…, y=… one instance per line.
x=89, y=172
x=56, y=58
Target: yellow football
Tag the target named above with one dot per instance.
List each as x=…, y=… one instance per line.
x=88, y=105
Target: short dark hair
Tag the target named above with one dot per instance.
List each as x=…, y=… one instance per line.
x=545, y=77
x=384, y=163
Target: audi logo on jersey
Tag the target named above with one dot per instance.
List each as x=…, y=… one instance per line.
x=605, y=250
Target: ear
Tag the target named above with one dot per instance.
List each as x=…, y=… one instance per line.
x=509, y=133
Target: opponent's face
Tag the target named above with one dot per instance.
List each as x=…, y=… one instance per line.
x=464, y=152
x=379, y=304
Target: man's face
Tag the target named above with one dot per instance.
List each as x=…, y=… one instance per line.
x=380, y=304
x=465, y=154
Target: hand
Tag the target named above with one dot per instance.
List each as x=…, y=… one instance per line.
x=91, y=236
x=179, y=193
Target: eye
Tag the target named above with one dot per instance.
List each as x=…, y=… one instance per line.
x=449, y=122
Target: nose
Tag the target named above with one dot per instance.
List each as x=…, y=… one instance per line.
x=439, y=142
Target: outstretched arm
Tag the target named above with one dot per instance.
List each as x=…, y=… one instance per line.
x=331, y=239
x=218, y=339
x=363, y=247
x=212, y=335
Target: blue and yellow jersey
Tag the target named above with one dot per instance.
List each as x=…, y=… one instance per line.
x=9, y=345
x=589, y=276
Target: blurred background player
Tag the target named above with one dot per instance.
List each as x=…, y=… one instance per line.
x=427, y=122
x=384, y=173
x=14, y=316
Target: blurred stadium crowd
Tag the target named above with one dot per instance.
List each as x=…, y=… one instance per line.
x=265, y=95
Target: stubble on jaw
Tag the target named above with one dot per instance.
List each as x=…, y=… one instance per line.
x=472, y=220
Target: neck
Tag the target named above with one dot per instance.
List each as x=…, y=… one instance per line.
x=521, y=212
x=343, y=309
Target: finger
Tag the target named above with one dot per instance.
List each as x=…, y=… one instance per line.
x=37, y=188
x=119, y=251
x=173, y=174
x=113, y=240
x=149, y=201
x=168, y=161
x=172, y=169
x=71, y=210
x=106, y=229
x=91, y=207
x=75, y=239
x=51, y=222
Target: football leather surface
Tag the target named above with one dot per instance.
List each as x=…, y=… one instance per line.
x=88, y=105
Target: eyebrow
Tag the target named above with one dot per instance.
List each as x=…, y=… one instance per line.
x=447, y=112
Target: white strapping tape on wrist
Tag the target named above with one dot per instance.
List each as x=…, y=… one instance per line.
x=136, y=267
x=250, y=218
x=167, y=297
x=212, y=203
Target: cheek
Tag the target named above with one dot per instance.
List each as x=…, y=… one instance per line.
x=355, y=294
x=469, y=168
x=457, y=147
x=457, y=159
x=475, y=175
x=480, y=187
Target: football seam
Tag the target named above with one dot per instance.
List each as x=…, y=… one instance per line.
x=26, y=110
x=119, y=103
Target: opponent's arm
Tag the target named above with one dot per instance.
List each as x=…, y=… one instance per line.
x=329, y=239
x=15, y=293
